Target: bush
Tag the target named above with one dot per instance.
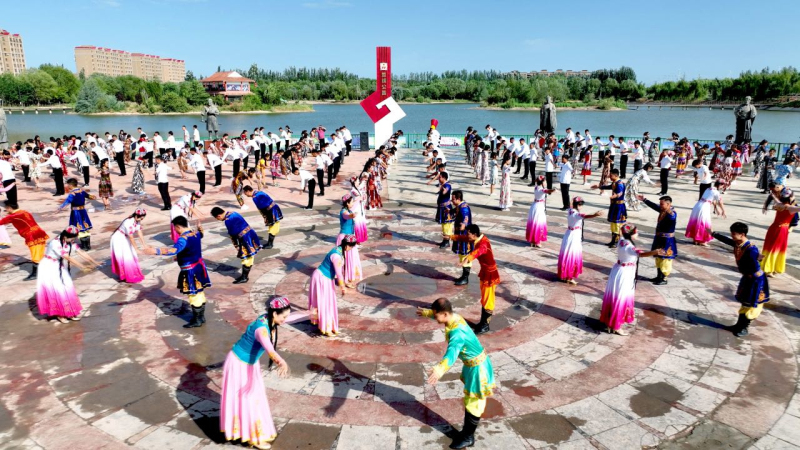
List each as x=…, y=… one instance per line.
x=92, y=99
x=172, y=102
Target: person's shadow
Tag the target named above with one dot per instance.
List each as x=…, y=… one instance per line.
x=195, y=384
x=400, y=400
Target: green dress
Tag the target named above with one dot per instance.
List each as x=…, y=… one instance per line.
x=477, y=374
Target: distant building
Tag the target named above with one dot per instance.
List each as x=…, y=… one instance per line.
x=12, y=54
x=107, y=61
x=230, y=85
x=547, y=73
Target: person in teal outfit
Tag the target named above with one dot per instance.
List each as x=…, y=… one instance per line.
x=477, y=373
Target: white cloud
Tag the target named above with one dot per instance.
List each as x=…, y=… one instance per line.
x=108, y=3
x=537, y=44
x=327, y=4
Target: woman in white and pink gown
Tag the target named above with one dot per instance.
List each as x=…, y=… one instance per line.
x=619, y=297
x=700, y=219
x=536, y=228
x=358, y=192
x=124, y=260
x=570, y=257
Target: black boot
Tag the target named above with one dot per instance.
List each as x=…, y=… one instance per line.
x=660, y=279
x=483, y=325
x=270, y=240
x=34, y=272
x=195, y=322
x=245, y=277
x=464, y=277
x=86, y=243
x=741, y=328
x=466, y=437
x=444, y=243
x=613, y=242
x=202, y=313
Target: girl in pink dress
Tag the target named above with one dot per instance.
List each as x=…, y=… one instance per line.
x=700, y=219
x=322, y=306
x=358, y=193
x=619, y=297
x=536, y=228
x=352, y=266
x=124, y=260
x=244, y=410
x=570, y=257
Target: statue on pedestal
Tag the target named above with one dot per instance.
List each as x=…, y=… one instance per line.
x=3, y=130
x=209, y=116
x=547, y=116
x=745, y=116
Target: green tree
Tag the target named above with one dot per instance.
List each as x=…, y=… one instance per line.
x=44, y=86
x=172, y=102
x=92, y=99
x=68, y=83
x=193, y=91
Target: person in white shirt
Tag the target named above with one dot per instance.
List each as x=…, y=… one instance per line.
x=587, y=139
x=281, y=139
x=491, y=135
x=83, y=161
x=58, y=173
x=158, y=144
x=321, y=161
x=348, y=140
x=665, y=164
x=623, y=158
x=101, y=153
x=570, y=137
x=307, y=182
x=533, y=153
x=195, y=135
x=8, y=177
x=171, y=145
x=638, y=156
x=602, y=151
x=118, y=148
x=24, y=158
x=703, y=175
x=196, y=163
x=334, y=153
x=161, y=174
x=549, y=167
x=235, y=155
x=565, y=179
x=522, y=158
x=185, y=135
x=216, y=163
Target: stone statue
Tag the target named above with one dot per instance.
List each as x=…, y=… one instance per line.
x=3, y=130
x=745, y=116
x=547, y=116
x=209, y=116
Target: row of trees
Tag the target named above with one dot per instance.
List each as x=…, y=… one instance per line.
x=763, y=85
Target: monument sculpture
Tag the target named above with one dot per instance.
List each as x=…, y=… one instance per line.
x=209, y=116
x=547, y=116
x=380, y=106
x=745, y=116
x=3, y=130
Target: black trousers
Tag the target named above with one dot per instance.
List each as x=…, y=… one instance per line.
x=278, y=146
x=149, y=157
x=120, y=158
x=246, y=161
x=612, y=161
x=270, y=151
x=532, y=165
x=565, y=195
x=513, y=160
x=163, y=189
x=703, y=188
x=58, y=175
x=527, y=164
x=85, y=171
x=348, y=145
x=25, y=173
x=161, y=153
x=95, y=159
x=174, y=153
x=664, y=181
x=637, y=164
x=218, y=175
x=201, y=178
x=311, y=185
x=337, y=164
x=11, y=194
x=623, y=166
x=331, y=173
x=548, y=177
x=236, y=165
x=321, y=180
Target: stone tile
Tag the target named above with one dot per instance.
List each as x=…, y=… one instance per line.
x=670, y=423
x=592, y=352
x=424, y=438
x=562, y=340
x=724, y=379
x=732, y=360
x=694, y=352
x=498, y=435
x=366, y=438
x=592, y=416
x=165, y=438
x=580, y=444
x=701, y=399
x=794, y=406
x=450, y=389
x=534, y=353
x=770, y=442
x=626, y=437
x=649, y=376
x=787, y=428
x=562, y=367
x=677, y=366
x=121, y=425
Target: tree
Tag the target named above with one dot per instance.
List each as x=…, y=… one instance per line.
x=172, y=102
x=91, y=98
x=193, y=91
x=44, y=86
x=189, y=76
x=68, y=83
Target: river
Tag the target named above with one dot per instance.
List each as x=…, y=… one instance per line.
x=775, y=126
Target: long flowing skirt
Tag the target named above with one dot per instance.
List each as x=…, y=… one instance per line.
x=124, y=260
x=360, y=229
x=619, y=298
x=776, y=244
x=536, y=228
x=5, y=239
x=322, y=305
x=55, y=293
x=505, y=192
x=700, y=222
x=80, y=218
x=570, y=257
x=244, y=410
x=352, y=263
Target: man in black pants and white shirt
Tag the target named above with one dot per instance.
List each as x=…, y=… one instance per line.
x=322, y=162
x=665, y=164
x=348, y=140
x=101, y=153
x=24, y=157
x=162, y=171
x=307, y=182
x=703, y=176
x=83, y=161
x=216, y=163
x=196, y=163
x=8, y=177
x=119, y=154
x=58, y=173
x=565, y=179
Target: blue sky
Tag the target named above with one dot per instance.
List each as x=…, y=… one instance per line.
x=661, y=40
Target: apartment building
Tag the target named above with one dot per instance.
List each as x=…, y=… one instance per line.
x=107, y=61
x=12, y=54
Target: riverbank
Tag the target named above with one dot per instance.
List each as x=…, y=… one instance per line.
x=537, y=108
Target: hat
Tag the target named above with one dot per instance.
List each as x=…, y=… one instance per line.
x=140, y=212
x=786, y=193
x=629, y=229
x=577, y=199
x=346, y=198
x=72, y=229
x=353, y=179
x=434, y=123
x=540, y=178
x=279, y=303
x=350, y=239
x=198, y=194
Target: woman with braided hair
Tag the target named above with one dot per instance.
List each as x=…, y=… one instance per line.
x=358, y=193
x=536, y=227
x=322, y=304
x=124, y=260
x=244, y=410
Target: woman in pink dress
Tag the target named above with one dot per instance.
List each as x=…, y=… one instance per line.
x=536, y=228
x=570, y=257
x=124, y=260
x=619, y=297
x=322, y=305
x=244, y=410
x=358, y=193
x=352, y=266
x=700, y=219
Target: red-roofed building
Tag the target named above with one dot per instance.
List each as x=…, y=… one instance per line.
x=230, y=85
x=12, y=54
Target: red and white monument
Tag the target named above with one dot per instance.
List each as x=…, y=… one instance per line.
x=380, y=106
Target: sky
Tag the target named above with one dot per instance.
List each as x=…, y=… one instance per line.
x=660, y=40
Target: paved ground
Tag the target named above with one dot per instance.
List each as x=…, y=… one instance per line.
x=129, y=375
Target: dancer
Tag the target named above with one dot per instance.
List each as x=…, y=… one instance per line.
x=352, y=260
x=55, y=293
x=193, y=278
x=444, y=214
x=237, y=186
x=570, y=257
x=776, y=242
x=753, y=289
x=244, y=410
x=617, y=213
x=244, y=239
x=619, y=296
x=35, y=237
x=488, y=276
x=477, y=373
x=104, y=189
x=463, y=218
x=322, y=305
x=505, y=183
x=665, y=236
x=700, y=219
x=137, y=181
x=270, y=211
x=124, y=261
x=359, y=196
x=78, y=216
x=632, y=191
x=185, y=207
x=536, y=228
